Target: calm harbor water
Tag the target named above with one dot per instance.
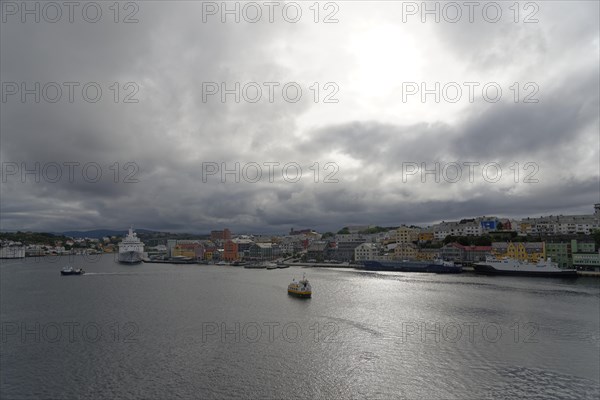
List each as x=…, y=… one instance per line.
x=159, y=331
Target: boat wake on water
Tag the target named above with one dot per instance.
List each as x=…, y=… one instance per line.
x=115, y=273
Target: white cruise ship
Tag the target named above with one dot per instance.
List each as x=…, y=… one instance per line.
x=510, y=266
x=131, y=249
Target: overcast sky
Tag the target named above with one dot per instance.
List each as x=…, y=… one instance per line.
x=369, y=138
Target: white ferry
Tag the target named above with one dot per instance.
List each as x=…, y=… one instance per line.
x=510, y=266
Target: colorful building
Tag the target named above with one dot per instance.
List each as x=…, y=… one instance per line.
x=426, y=236
x=220, y=235
x=464, y=254
x=428, y=254
x=405, y=235
x=532, y=251
x=230, y=251
x=571, y=253
x=406, y=251
x=587, y=261
x=191, y=250
x=367, y=251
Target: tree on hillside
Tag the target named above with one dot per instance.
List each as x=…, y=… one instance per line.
x=450, y=239
x=482, y=241
x=464, y=241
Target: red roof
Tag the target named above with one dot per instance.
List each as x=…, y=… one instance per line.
x=473, y=248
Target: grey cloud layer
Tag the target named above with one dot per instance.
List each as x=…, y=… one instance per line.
x=171, y=131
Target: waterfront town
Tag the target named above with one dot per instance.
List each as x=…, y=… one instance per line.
x=572, y=241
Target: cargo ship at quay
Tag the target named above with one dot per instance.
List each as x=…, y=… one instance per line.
x=438, y=266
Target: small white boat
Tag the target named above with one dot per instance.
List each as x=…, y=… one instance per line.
x=70, y=271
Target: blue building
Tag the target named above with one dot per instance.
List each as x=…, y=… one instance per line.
x=489, y=225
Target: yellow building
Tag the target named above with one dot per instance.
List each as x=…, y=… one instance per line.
x=187, y=250
x=427, y=254
x=426, y=236
x=532, y=252
x=406, y=251
x=524, y=227
x=406, y=235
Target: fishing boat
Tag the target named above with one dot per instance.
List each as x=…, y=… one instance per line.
x=300, y=288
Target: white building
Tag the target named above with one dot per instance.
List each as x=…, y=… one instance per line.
x=563, y=224
x=366, y=251
x=457, y=228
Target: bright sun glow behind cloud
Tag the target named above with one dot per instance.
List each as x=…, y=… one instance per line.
x=385, y=56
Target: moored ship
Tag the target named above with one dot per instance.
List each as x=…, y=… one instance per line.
x=300, y=288
x=270, y=265
x=255, y=265
x=511, y=266
x=131, y=249
x=440, y=266
x=437, y=266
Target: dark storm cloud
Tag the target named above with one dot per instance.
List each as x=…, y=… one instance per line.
x=562, y=116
